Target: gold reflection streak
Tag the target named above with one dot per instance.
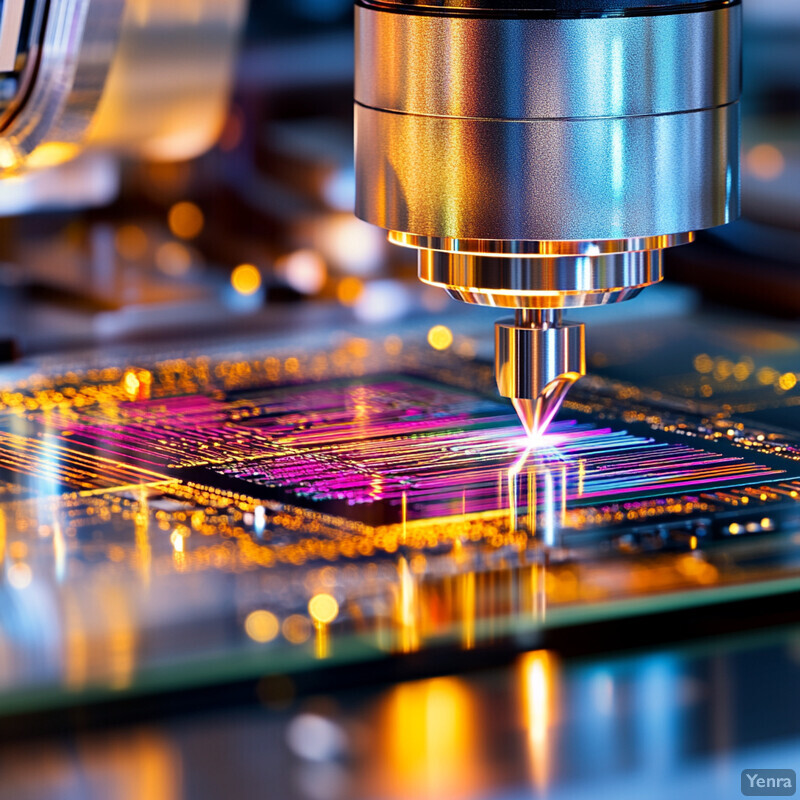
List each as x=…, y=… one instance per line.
x=538, y=674
x=2, y=535
x=531, y=503
x=409, y=631
x=59, y=550
x=128, y=487
x=428, y=729
x=120, y=640
x=581, y=475
x=76, y=645
x=404, y=508
x=467, y=582
x=321, y=640
x=144, y=556
x=144, y=764
x=513, y=472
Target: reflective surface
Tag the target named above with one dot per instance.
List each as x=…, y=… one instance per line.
x=243, y=512
x=671, y=723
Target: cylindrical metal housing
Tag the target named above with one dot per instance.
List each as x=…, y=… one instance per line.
x=528, y=359
x=584, y=121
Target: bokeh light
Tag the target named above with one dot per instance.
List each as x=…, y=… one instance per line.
x=440, y=337
x=261, y=626
x=185, y=220
x=323, y=608
x=246, y=279
x=764, y=161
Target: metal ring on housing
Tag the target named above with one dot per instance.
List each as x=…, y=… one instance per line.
x=542, y=274
x=513, y=248
x=492, y=67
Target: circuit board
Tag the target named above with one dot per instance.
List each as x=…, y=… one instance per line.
x=258, y=510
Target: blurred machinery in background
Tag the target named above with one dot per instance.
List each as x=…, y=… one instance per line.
x=161, y=234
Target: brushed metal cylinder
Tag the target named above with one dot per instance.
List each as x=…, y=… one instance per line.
x=515, y=126
x=587, y=179
x=523, y=68
x=528, y=359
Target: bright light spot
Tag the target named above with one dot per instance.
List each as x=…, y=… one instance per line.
x=173, y=259
x=246, y=279
x=323, y=608
x=766, y=375
x=352, y=245
x=296, y=629
x=703, y=363
x=381, y=301
x=51, y=154
x=349, y=290
x=185, y=220
x=735, y=528
x=315, y=738
x=393, y=345
x=765, y=162
x=260, y=520
x=8, y=155
x=131, y=242
x=19, y=575
x=177, y=541
x=440, y=337
x=339, y=190
x=261, y=626
x=787, y=381
x=131, y=384
x=304, y=271
x=766, y=523
x=693, y=543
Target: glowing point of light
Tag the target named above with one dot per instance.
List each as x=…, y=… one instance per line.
x=766, y=523
x=381, y=301
x=352, y=245
x=296, y=629
x=131, y=242
x=173, y=259
x=349, y=290
x=440, y=337
x=260, y=520
x=693, y=543
x=734, y=528
x=703, y=363
x=765, y=162
x=246, y=279
x=51, y=154
x=304, y=270
x=261, y=626
x=787, y=381
x=323, y=608
x=20, y=575
x=177, y=541
x=339, y=190
x=185, y=220
x=131, y=383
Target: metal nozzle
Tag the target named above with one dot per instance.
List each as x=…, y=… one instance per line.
x=537, y=359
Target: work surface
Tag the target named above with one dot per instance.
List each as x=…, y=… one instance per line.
x=262, y=509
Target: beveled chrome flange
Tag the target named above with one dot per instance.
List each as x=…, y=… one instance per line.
x=512, y=248
x=541, y=281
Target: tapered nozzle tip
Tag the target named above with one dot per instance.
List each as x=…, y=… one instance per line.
x=536, y=415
